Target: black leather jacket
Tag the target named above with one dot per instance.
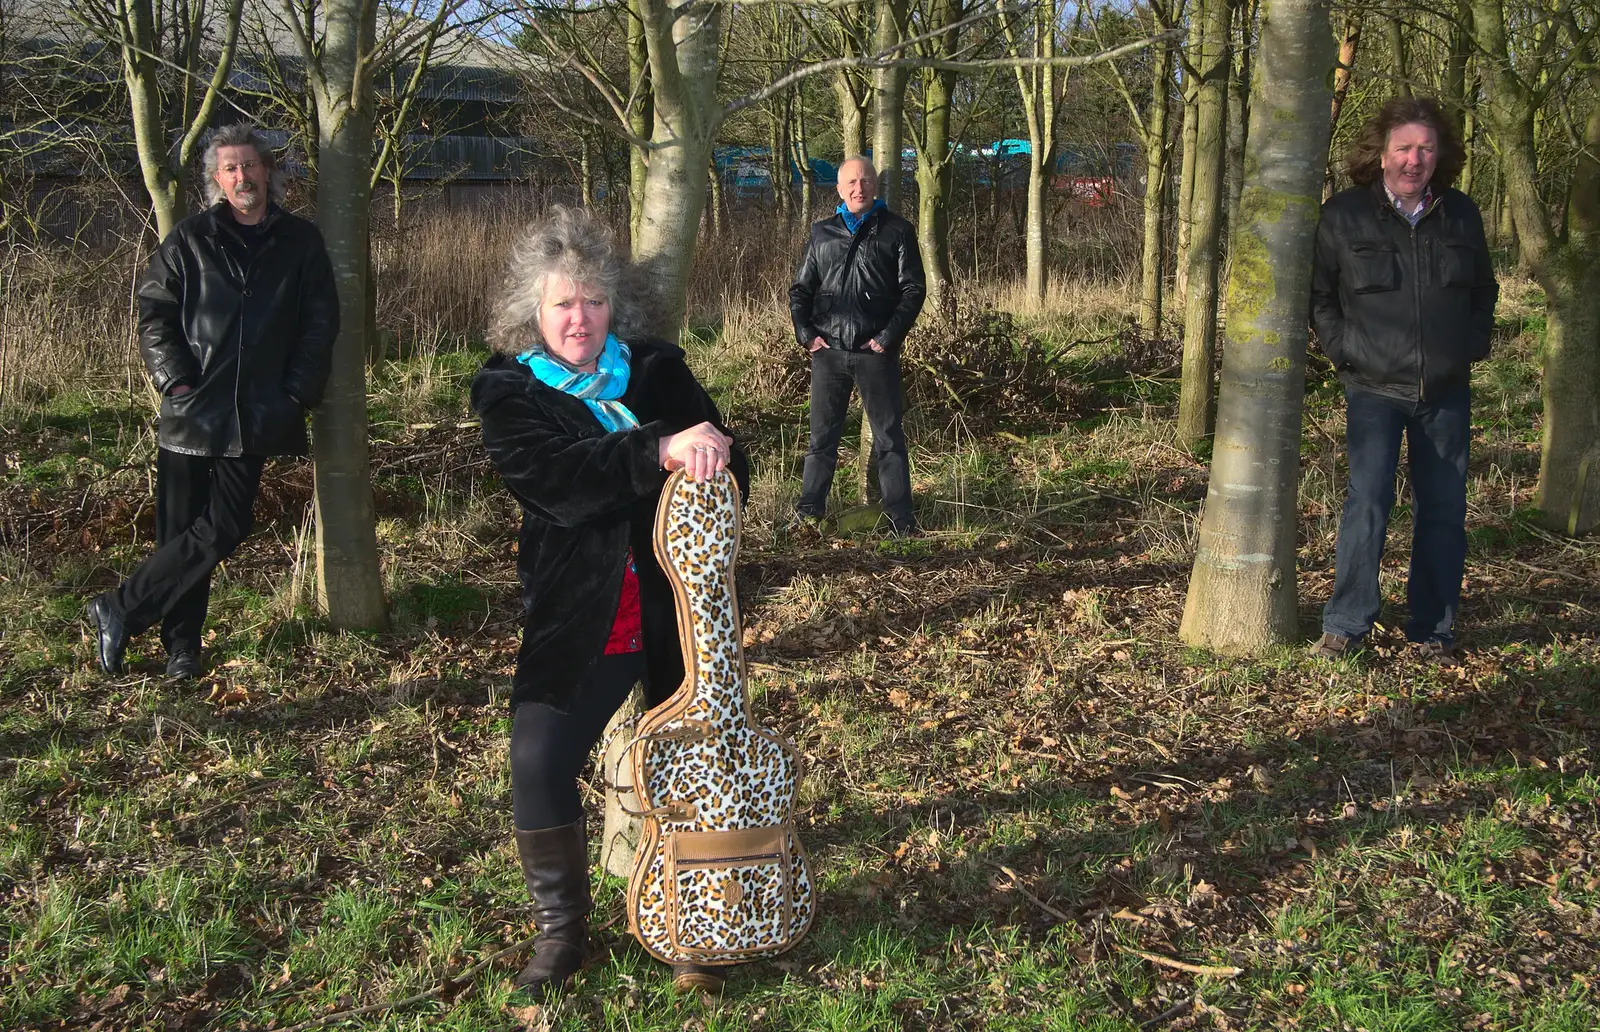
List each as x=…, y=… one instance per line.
x=251, y=331
x=587, y=497
x=853, y=288
x=1402, y=311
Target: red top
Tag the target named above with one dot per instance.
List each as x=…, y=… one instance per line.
x=626, y=631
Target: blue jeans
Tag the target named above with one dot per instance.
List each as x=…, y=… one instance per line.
x=877, y=377
x=1437, y=434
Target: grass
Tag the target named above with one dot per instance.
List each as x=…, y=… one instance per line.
x=1018, y=775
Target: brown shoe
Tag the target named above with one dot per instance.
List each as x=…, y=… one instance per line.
x=1332, y=646
x=555, y=867
x=1440, y=653
x=700, y=978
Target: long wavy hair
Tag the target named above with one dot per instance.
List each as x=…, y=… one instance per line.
x=574, y=244
x=1365, y=161
x=243, y=134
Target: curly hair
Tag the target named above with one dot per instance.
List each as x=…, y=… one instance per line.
x=242, y=134
x=574, y=244
x=1365, y=161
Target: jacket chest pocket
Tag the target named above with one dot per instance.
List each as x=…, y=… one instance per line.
x=1372, y=265
x=1457, y=262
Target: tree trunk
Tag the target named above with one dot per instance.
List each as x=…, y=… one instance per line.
x=934, y=162
x=888, y=105
x=620, y=835
x=1037, y=89
x=349, y=583
x=1568, y=270
x=585, y=171
x=1153, y=259
x=1242, y=591
x=1239, y=108
x=139, y=67
x=852, y=114
x=1185, y=208
x=640, y=115
x=1349, y=40
x=1396, y=34
x=685, y=57
x=802, y=158
x=1195, y=403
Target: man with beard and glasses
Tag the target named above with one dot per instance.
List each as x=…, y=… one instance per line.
x=237, y=316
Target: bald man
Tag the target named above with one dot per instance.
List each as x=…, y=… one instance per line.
x=858, y=291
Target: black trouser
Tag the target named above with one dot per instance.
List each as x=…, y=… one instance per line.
x=549, y=747
x=877, y=377
x=203, y=511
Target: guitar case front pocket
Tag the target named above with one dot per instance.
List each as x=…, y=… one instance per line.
x=729, y=893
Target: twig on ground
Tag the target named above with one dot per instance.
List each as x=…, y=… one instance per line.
x=1214, y=970
x=1030, y=897
x=1178, y=1010
x=450, y=982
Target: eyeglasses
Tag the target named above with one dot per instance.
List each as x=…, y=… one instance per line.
x=249, y=166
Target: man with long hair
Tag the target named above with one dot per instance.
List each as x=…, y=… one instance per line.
x=237, y=316
x=1402, y=300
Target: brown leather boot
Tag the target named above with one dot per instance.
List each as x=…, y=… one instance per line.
x=701, y=978
x=555, y=866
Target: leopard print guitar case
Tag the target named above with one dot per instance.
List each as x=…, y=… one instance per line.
x=719, y=875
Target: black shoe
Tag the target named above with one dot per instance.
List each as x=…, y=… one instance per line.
x=706, y=979
x=555, y=868
x=110, y=634
x=183, y=665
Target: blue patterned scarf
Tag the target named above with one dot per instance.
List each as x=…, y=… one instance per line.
x=599, y=390
x=853, y=222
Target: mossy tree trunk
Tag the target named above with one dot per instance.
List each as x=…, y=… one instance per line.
x=936, y=158
x=1196, y=398
x=1242, y=590
x=1566, y=265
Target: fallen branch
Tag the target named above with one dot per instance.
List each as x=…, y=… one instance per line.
x=1030, y=897
x=1171, y=1014
x=1215, y=971
x=450, y=982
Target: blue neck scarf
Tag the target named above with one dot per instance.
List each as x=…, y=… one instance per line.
x=599, y=390
x=854, y=222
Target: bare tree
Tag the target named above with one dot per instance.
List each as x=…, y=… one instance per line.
x=175, y=63
x=1041, y=90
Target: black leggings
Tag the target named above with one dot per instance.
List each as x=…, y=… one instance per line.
x=549, y=747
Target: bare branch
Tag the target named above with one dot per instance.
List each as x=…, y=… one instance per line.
x=874, y=61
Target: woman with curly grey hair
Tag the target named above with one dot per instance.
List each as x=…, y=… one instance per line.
x=584, y=413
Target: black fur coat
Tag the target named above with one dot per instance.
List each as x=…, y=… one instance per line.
x=587, y=495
